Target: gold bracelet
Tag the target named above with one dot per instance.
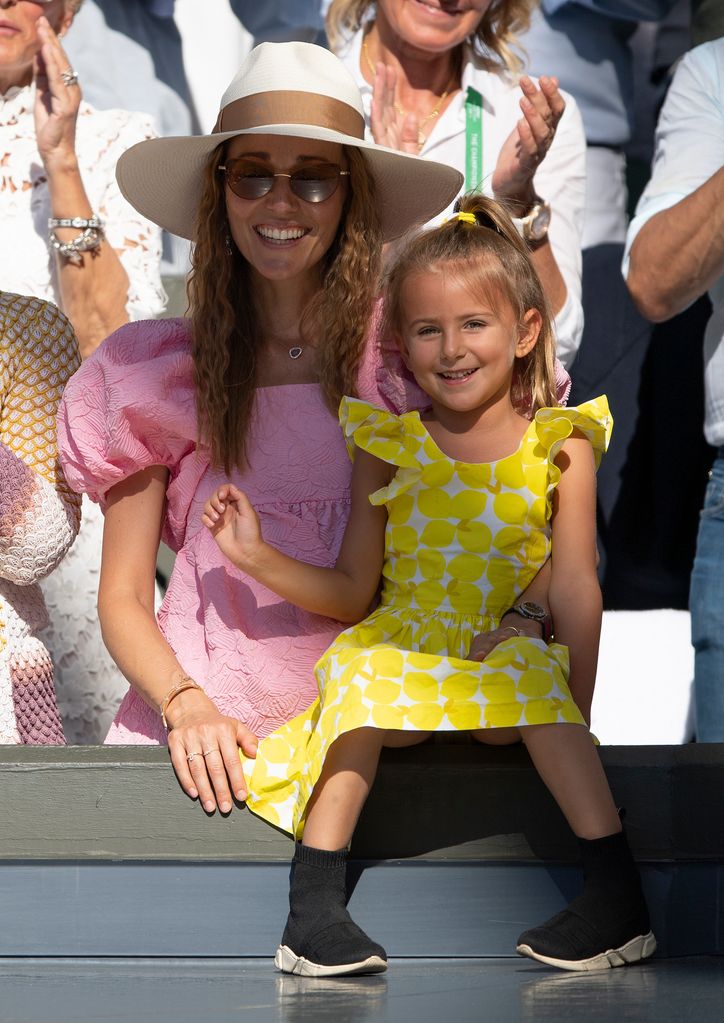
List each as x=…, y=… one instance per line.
x=185, y=683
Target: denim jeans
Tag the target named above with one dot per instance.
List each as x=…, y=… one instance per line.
x=706, y=602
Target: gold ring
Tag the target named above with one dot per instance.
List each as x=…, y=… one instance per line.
x=207, y=751
x=191, y=756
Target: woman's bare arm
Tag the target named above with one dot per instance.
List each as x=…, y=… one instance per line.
x=126, y=609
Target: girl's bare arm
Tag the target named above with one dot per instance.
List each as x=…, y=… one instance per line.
x=344, y=592
x=575, y=594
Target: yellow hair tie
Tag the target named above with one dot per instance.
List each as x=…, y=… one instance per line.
x=467, y=218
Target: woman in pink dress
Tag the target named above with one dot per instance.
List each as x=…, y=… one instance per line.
x=288, y=208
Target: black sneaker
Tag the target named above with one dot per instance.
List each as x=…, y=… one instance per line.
x=571, y=941
x=337, y=950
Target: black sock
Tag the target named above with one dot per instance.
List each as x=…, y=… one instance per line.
x=319, y=928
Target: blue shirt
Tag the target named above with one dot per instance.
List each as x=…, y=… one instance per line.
x=584, y=43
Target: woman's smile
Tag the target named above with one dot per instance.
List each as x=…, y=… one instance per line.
x=280, y=235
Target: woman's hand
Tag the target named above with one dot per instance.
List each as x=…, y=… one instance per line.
x=234, y=525
x=204, y=746
x=56, y=104
x=391, y=127
x=530, y=140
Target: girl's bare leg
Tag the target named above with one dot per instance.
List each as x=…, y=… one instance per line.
x=344, y=784
x=567, y=761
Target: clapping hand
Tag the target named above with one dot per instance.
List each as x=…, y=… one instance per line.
x=56, y=100
x=530, y=140
x=391, y=126
x=234, y=525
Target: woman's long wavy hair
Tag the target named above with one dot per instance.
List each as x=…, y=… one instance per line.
x=494, y=40
x=225, y=326
x=491, y=259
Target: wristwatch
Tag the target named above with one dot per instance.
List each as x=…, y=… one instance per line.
x=533, y=227
x=536, y=613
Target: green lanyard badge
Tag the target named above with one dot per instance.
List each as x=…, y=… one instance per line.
x=473, y=139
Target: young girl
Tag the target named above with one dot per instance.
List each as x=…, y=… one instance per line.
x=458, y=509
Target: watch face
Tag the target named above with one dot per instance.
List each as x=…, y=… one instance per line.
x=532, y=610
x=540, y=223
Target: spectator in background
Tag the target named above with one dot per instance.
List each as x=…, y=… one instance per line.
x=585, y=43
x=59, y=164
x=605, y=57
x=707, y=21
x=441, y=84
x=129, y=55
x=278, y=21
x=674, y=254
x=39, y=513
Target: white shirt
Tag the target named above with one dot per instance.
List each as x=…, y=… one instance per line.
x=27, y=261
x=689, y=149
x=560, y=179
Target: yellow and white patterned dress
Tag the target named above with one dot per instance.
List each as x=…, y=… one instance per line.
x=462, y=543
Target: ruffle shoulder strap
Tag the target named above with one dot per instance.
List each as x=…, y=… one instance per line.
x=378, y=432
x=553, y=426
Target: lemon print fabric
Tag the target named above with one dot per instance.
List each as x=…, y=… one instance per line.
x=462, y=543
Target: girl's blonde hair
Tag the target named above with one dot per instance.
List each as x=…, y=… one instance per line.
x=490, y=258
x=494, y=39
x=225, y=327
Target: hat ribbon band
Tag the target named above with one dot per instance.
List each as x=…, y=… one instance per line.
x=288, y=107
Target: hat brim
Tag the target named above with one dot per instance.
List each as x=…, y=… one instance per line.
x=162, y=178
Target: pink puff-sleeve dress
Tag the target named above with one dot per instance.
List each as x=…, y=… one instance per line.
x=131, y=406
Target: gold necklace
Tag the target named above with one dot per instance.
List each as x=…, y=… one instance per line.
x=400, y=110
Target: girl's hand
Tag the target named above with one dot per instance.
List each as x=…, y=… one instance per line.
x=485, y=642
x=234, y=525
x=56, y=104
x=530, y=140
x=389, y=126
x=204, y=747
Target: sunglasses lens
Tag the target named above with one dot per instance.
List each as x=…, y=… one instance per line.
x=248, y=180
x=315, y=184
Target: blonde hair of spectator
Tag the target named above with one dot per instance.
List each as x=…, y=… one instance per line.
x=488, y=256
x=494, y=41
x=226, y=336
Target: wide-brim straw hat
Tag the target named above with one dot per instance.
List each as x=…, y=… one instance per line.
x=295, y=89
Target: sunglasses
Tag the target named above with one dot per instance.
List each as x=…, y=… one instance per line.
x=314, y=182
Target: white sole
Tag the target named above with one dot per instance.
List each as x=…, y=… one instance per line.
x=288, y=962
x=633, y=951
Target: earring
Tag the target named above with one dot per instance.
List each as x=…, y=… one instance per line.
x=229, y=245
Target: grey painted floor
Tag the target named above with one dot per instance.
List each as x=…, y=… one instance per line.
x=419, y=990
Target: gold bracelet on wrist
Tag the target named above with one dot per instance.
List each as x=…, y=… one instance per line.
x=185, y=683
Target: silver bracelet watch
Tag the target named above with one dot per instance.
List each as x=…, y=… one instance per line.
x=91, y=236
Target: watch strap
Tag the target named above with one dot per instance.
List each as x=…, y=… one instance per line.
x=546, y=622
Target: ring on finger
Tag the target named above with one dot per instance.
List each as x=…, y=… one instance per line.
x=69, y=77
x=190, y=756
x=214, y=749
